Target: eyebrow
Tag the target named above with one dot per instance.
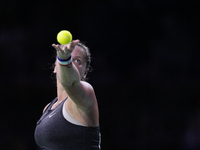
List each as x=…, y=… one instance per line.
x=77, y=57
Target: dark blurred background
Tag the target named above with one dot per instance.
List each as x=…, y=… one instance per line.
x=145, y=69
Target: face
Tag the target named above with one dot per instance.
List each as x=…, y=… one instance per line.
x=78, y=59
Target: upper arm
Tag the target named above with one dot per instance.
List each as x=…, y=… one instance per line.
x=82, y=93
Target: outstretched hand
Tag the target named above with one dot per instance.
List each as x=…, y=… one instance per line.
x=64, y=51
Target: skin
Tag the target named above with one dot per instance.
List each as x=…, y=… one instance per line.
x=81, y=103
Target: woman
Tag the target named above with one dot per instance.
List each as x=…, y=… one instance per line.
x=70, y=121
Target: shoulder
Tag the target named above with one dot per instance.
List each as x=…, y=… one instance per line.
x=82, y=89
x=89, y=90
x=87, y=86
x=82, y=94
x=45, y=107
x=52, y=102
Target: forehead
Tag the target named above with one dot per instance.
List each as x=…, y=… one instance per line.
x=78, y=51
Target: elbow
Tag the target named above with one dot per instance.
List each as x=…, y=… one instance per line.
x=66, y=83
x=69, y=84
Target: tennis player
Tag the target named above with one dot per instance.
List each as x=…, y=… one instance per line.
x=71, y=120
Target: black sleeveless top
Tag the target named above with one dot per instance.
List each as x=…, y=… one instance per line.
x=54, y=132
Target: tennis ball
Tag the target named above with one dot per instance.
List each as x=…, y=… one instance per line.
x=64, y=37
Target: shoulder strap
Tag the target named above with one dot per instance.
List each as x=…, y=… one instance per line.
x=51, y=104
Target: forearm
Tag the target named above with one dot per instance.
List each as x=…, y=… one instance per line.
x=67, y=75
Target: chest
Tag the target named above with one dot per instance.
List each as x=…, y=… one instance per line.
x=54, y=129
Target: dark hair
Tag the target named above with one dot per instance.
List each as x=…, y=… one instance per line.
x=87, y=54
x=87, y=57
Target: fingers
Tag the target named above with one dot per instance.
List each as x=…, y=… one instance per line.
x=66, y=48
x=76, y=41
x=58, y=48
x=71, y=47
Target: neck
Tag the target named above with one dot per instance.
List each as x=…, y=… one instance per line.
x=61, y=93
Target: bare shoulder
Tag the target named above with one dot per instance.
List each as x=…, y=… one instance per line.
x=88, y=87
x=45, y=107
x=82, y=94
x=83, y=104
x=89, y=90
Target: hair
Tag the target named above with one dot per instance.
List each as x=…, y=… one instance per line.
x=87, y=56
x=87, y=59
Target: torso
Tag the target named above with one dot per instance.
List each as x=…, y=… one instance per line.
x=53, y=131
x=89, y=118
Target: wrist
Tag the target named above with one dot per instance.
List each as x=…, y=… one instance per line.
x=65, y=62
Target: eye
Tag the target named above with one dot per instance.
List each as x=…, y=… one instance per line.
x=77, y=61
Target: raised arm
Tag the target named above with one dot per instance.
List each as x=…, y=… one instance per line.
x=70, y=75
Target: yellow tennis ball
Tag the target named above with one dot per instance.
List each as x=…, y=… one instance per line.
x=64, y=37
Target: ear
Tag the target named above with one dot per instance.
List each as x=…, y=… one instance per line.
x=54, y=71
x=86, y=72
